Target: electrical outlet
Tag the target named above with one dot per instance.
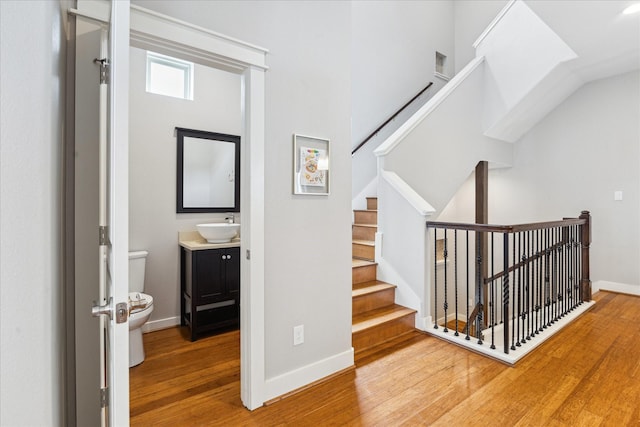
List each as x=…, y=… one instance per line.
x=298, y=335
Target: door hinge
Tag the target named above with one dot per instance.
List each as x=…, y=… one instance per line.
x=104, y=69
x=104, y=397
x=103, y=235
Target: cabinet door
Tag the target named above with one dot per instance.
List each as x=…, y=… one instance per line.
x=232, y=273
x=209, y=274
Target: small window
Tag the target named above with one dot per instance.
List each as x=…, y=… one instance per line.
x=169, y=76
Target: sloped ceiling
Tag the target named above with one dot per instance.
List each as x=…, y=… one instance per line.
x=606, y=41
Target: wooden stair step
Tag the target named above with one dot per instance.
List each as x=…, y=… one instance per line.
x=375, y=327
x=363, y=249
x=372, y=295
x=361, y=289
x=364, y=231
x=365, y=217
x=372, y=203
x=362, y=271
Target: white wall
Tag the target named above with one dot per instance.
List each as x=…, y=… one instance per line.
x=575, y=159
x=471, y=17
x=307, y=238
x=32, y=45
x=153, y=221
x=393, y=58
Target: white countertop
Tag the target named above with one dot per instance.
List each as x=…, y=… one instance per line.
x=193, y=241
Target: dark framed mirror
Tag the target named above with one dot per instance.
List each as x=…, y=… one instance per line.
x=208, y=171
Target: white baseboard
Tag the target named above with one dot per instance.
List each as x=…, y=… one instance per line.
x=290, y=381
x=624, y=288
x=156, y=325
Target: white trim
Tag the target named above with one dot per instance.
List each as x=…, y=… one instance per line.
x=192, y=42
x=493, y=23
x=623, y=288
x=442, y=76
x=135, y=9
x=521, y=352
x=292, y=380
x=97, y=16
x=252, y=339
x=409, y=194
x=160, y=324
x=390, y=143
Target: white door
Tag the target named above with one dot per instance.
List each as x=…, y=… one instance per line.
x=114, y=216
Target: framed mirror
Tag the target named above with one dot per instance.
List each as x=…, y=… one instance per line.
x=208, y=172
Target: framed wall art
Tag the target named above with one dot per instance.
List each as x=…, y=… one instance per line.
x=310, y=165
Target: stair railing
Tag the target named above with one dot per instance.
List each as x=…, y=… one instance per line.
x=537, y=274
x=390, y=119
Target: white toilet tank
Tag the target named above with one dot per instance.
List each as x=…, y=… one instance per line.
x=137, y=262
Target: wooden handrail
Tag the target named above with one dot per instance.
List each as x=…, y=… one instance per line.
x=372, y=134
x=488, y=228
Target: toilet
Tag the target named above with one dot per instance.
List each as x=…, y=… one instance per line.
x=140, y=306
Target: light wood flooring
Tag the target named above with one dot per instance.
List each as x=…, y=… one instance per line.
x=587, y=375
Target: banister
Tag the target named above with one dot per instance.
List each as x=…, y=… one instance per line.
x=488, y=228
x=372, y=134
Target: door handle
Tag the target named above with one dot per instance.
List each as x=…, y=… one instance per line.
x=98, y=310
x=121, y=310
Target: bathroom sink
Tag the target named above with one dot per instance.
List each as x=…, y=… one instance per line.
x=218, y=232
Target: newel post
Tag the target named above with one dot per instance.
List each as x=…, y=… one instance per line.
x=585, y=241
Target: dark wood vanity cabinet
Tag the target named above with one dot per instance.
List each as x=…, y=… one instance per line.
x=210, y=289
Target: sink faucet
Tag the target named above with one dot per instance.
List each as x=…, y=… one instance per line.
x=230, y=219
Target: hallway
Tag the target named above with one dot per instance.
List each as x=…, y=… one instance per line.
x=582, y=376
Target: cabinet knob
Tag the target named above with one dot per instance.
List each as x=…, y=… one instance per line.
x=228, y=256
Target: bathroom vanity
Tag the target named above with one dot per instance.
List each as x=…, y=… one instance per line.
x=209, y=285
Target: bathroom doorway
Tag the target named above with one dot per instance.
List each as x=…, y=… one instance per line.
x=165, y=35
x=197, y=97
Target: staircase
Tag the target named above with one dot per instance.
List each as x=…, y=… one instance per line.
x=376, y=319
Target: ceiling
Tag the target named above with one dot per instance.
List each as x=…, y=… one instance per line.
x=607, y=41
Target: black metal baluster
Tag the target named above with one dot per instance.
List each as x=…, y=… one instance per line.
x=555, y=282
x=515, y=312
x=540, y=281
x=479, y=286
x=534, y=282
x=435, y=278
x=547, y=299
x=492, y=291
x=577, y=266
x=445, y=306
x=518, y=277
x=467, y=294
x=505, y=292
x=527, y=291
x=455, y=273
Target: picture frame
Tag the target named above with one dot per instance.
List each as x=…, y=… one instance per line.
x=311, y=165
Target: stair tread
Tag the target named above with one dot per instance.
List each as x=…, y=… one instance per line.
x=379, y=316
x=371, y=287
x=365, y=210
x=365, y=225
x=355, y=263
x=364, y=242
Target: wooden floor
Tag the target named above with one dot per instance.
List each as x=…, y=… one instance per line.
x=587, y=375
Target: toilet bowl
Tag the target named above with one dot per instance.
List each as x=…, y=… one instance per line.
x=140, y=306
